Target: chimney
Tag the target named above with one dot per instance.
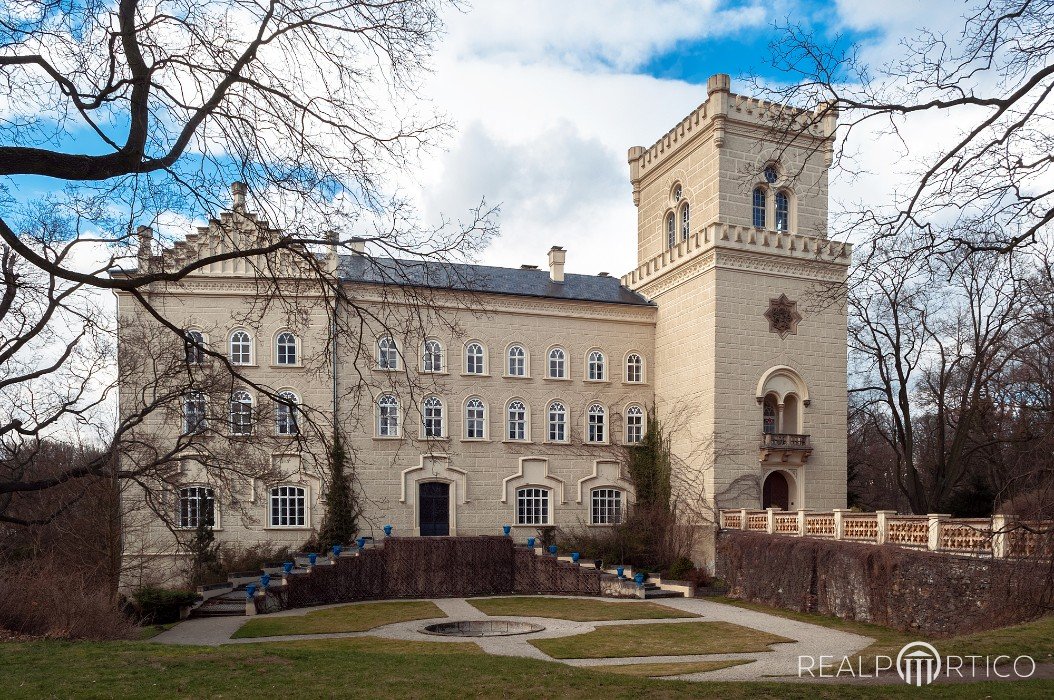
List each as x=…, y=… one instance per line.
x=146, y=237
x=332, y=239
x=358, y=245
x=238, y=190
x=557, y=256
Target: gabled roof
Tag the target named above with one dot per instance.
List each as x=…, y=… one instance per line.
x=486, y=279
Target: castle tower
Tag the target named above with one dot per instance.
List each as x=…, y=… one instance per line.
x=750, y=338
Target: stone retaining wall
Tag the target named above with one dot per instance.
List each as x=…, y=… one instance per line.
x=934, y=594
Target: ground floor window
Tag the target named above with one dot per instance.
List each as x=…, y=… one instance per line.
x=288, y=506
x=606, y=507
x=532, y=506
x=196, y=507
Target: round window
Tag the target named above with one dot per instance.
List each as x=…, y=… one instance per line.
x=771, y=175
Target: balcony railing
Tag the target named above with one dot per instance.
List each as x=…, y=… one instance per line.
x=785, y=441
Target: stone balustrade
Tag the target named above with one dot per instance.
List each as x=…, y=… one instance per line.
x=1000, y=536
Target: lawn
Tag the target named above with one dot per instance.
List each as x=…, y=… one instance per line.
x=576, y=609
x=357, y=617
x=675, y=668
x=660, y=639
x=373, y=668
x=1035, y=639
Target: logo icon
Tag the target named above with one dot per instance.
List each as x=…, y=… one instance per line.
x=918, y=663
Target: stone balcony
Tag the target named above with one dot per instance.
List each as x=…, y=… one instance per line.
x=791, y=449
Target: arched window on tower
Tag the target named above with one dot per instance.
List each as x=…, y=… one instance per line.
x=782, y=211
x=759, y=207
x=768, y=416
x=685, y=225
x=671, y=230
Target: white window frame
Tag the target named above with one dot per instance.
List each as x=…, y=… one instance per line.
x=776, y=211
x=388, y=418
x=596, y=366
x=433, y=410
x=686, y=227
x=755, y=209
x=606, y=505
x=187, y=518
x=629, y=368
x=562, y=363
x=516, y=365
x=482, y=420
x=235, y=426
x=237, y=357
x=202, y=425
x=596, y=428
x=293, y=494
x=550, y=424
x=286, y=423
x=194, y=354
x=671, y=229
x=517, y=421
x=482, y=358
x=534, y=506
x=635, y=430
x=387, y=354
x=278, y=349
x=430, y=358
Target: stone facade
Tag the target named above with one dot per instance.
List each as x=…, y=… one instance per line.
x=710, y=365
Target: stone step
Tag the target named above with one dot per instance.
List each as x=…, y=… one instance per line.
x=653, y=593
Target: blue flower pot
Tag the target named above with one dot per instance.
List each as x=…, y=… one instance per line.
x=361, y=542
x=265, y=580
x=506, y=529
x=574, y=557
x=621, y=571
x=387, y=530
x=552, y=549
x=639, y=578
x=530, y=542
x=250, y=591
x=337, y=549
x=287, y=567
x=311, y=558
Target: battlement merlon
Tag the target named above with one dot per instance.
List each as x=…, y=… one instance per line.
x=723, y=107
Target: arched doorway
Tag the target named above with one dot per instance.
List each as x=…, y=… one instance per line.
x=433, y=502
x=776, y=492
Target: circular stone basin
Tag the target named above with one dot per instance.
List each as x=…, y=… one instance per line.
x=482, y=628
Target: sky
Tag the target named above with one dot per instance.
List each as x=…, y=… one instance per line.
x=547, y=97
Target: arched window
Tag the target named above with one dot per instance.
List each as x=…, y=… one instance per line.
x=286, y=349
x=474, y=359
x=634, y=368
x=557, y=422
x=671, y=230
x=475, y=419
x=517, y=361
x=634, y=424
x=605, y=507
x=557, y=364
x=432, y=415
x=288, y=506
x=759, y=207
x=685, y=225
x=678, y=192
x=532, y=506
x=596, y=365
x=388, y=416
x=285, y=414
x=597, y=423
x=194, y=420
x=432, y=357
x=241, y=413
x=517, y=421
x=387, y=354
x=782, y=211
x=768, y=416
x=194, y=344
x=241, y=348
x=196, y=507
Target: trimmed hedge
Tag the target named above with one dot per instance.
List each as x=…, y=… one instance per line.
x=159, y=606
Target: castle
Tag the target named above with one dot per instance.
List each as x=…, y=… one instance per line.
x=472, y=397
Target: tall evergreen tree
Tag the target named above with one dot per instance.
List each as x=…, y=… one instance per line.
x=340, y=523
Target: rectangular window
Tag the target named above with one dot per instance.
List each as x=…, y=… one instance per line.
x=606, y=507
x=532, y=506
x=196, y=506
x=288, y=507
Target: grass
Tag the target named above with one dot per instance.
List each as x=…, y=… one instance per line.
x=370, y=667
x=358, y=617
x=578, y=610
x=152, y=631
x=1035, y=639
x=660, y=639
x=676, y=668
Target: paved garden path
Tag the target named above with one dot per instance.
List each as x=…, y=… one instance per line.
x=782, y=660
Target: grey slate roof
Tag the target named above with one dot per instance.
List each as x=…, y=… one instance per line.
x=486, y=279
